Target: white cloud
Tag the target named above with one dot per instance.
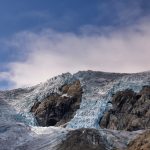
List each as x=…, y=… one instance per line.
x=4, y=75
x=51, y=53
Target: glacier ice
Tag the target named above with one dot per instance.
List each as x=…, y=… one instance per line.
x=21, y=100
x=96, y=99
x=18, y=128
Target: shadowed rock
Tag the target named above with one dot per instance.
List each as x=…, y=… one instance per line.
x=58, y=109
x=131, y=111
x=83, y=139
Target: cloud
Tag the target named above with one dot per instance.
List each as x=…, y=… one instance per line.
x=49, y=53
x=4, y=76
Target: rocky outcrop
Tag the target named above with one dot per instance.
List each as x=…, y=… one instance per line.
x=83, y=139
x=97, y=139
x=131, y=111
x=142, y=142
x=57, y=109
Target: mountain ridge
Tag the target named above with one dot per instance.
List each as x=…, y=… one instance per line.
x=97, y=91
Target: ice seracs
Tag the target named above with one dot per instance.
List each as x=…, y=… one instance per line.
x=98, y=88
x=97, y=95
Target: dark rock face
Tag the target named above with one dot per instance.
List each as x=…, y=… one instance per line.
x=131, y=111
x=142, y=142
x=83, y=139
x=58, y=109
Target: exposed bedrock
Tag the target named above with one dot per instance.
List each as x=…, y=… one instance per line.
x=130, y=111
x=83, y=139
x=142, y=142
x=58, y=109
x=93, y=139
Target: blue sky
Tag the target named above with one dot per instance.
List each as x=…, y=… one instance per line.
x=55, y=28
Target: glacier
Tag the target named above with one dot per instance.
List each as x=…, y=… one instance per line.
x=18, y=124
x=97, y=94
x=21, y=100
x=98, y=88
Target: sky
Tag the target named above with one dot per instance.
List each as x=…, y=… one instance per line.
x=41, y=39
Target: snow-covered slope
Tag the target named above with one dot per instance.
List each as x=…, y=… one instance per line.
x=98, y=88
x=18, y=136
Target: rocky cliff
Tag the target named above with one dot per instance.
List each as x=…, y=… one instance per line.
x=130, y=111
